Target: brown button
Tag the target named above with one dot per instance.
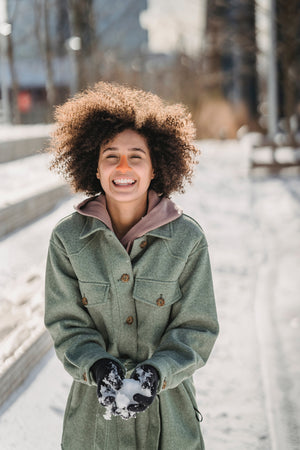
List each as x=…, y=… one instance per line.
x=125, y=277
x=84, y=301
x=160, y=301
x=143, y=244
x=129, y=320
x=164, y=385
x=84, y=377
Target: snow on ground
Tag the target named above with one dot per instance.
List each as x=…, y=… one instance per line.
x=26, y=177
x=276, y=210
x=229, y=388
x=250, y=225
x=22, y=265
x=283, y=155
x=16, y=132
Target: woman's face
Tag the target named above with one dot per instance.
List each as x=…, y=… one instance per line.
x=124, y=167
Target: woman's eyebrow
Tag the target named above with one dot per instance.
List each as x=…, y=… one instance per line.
x=137, y=149
x=133, y=149
x=107, y=149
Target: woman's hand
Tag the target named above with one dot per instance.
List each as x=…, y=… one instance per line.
x=148, y=378
x=109, y=377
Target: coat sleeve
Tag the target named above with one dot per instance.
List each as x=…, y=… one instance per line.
x=77, y=341
x=193, y=327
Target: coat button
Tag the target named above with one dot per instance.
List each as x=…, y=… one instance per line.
x=84, y=377
x=129, y=320
x=143, y=244
x=84, y=301
x=164, y=385
x=125, y=277
x=160, y=301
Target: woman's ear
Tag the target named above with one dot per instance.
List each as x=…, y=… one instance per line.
x=153, y=174
x=97, y=174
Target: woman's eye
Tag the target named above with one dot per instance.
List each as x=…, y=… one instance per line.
x=111, y=156
x=136, y=157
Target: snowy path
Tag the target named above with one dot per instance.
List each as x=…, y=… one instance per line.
x=278, y=304
x=251, y=235
x=229, y=389
x=34, y=418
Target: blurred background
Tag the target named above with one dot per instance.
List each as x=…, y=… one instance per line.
x=236, y=65
x=236, y=61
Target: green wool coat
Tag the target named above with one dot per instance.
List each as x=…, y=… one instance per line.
x=154, y=306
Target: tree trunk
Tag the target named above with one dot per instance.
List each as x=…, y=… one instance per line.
x=81, y=26
x=50, y=85
x=16, y=118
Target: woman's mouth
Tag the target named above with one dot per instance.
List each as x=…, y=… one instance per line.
x=124, y=181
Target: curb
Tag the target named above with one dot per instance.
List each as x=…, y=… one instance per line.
x=21, y=148
x=21, y=213
x=271, y=356
x=19, y=370
x=265, y=331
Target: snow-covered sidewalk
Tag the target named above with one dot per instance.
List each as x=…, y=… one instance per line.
x=22, y=265
x=244, y=221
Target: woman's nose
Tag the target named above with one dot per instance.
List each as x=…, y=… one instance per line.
x=123, y=164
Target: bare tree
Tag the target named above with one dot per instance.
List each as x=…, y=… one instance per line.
x=14, y=80
x=82, y=27
x=231, y=51
x=12, y=67
x=50, y=85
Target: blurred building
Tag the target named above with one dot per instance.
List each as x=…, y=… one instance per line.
x=118, y=27
x=233, y=60
x=60, y=46
x=230, y=51
x=288, y=61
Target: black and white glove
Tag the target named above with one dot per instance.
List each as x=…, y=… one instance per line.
x=148, y=378
x=109, y=377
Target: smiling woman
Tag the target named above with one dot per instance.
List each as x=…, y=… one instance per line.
x=125, y=173
x=128, y=283
x=91, y=119
x=127, y=154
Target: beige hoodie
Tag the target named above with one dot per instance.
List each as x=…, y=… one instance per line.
x=161, y=211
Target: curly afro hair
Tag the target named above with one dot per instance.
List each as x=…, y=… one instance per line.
x=95, y=116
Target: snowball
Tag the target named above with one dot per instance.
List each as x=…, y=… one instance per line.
x=124, y=397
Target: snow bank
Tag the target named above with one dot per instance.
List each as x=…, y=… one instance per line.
x=19, y=132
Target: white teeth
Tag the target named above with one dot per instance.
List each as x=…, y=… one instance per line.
x=124, y=181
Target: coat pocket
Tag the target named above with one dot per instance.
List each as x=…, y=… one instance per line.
x=94, y=294
x=156, y=293
x=190, y=390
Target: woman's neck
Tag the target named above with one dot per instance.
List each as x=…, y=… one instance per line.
x=125, y=215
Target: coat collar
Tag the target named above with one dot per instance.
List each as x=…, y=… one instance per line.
x=92, y=225
x=161, y=212
x=164, y=232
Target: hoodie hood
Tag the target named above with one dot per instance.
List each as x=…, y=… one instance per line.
x=161, y=210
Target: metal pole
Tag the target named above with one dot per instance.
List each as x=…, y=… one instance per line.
x=272, y=74
x=74, y=46
x=5, y=30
